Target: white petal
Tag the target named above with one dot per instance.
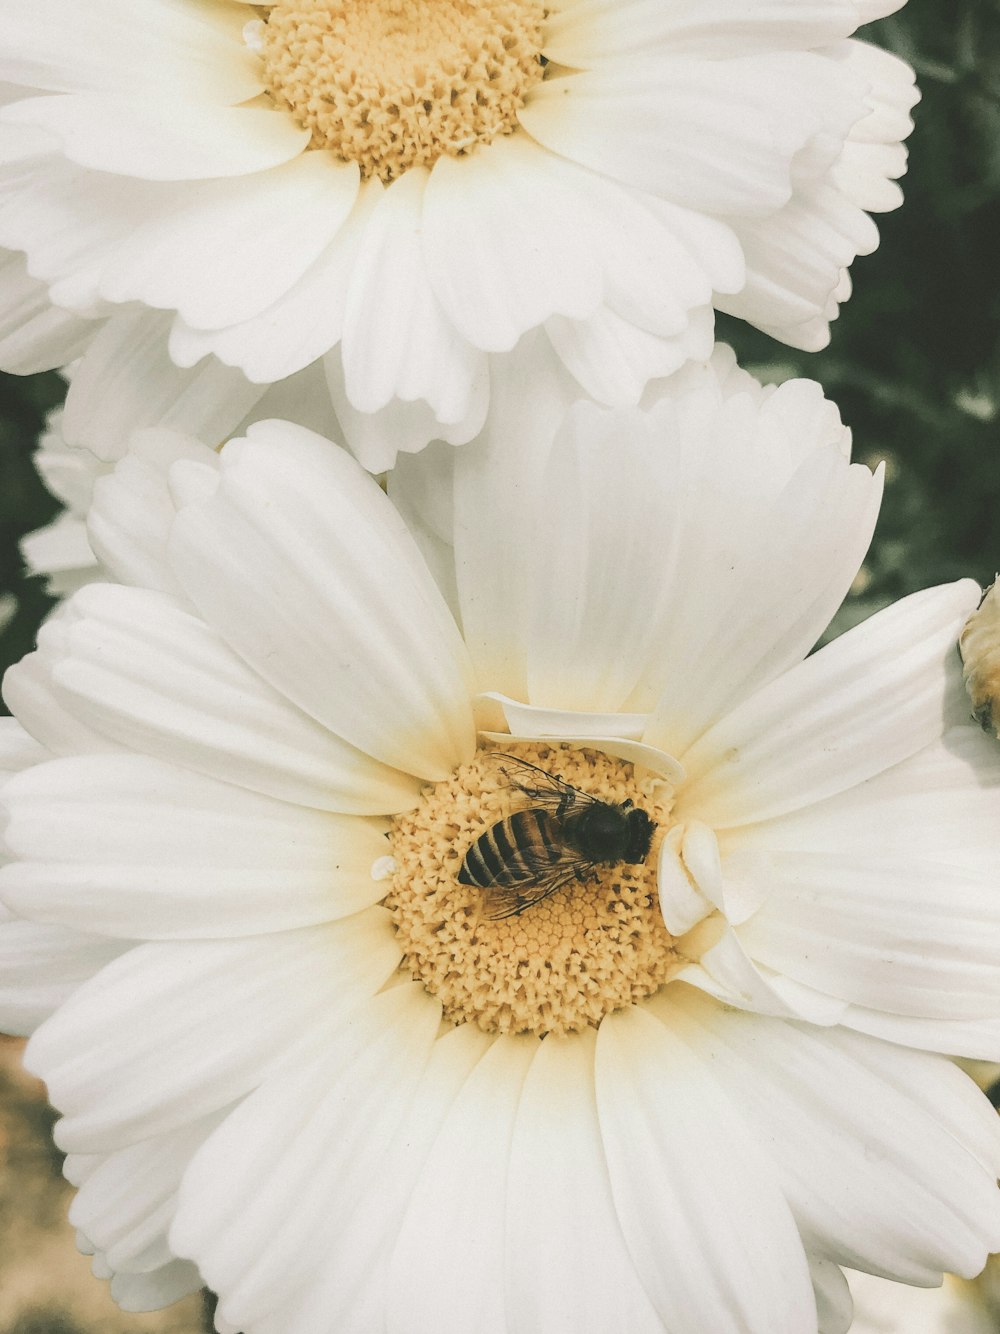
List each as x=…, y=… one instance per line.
x=35, y=335
x=708, y=134
x=913, y=938
x=861, y=704
x=422, y=488
x=874, y=156
x=59, y=213
x=61, y=552
x=753, y=573
x=223, y=251
x=18, y=750
x=151, y=1292
x=512, y=235
x=302, y=324
x=795, y=259
x=495, y=525
x=613, y=360
x=590, y=32
x=128, y=846
x=303, y=565
x=698, y=1201
x=29, y=693
x=833, y=1297
x=180, y=1031
x=129, y=520
x=184, y=47
x=882, y=1307
x=568, y=1267
x=378, y=440
x=536, y=720
x=935, y=816
x=682, y=901
x=127, y=1198
x=142, y=670
x=161, y=139
x=397, y=341
x=40, y=966
x=880, y=1151
x=306, y=1142
x=726, y=971
x=359, y=1226
x=126, y=381
x=458, y=1208
x=589, y=633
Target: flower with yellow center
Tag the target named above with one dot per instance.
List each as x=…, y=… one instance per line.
x=305, y=1055
x=400, y=190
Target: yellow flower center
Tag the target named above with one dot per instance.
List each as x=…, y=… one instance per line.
x=595, y=945
x=394, y=84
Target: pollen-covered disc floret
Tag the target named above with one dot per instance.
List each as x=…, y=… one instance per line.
x=393, y=84
x=592, y=947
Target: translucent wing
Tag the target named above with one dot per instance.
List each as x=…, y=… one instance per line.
x=541, y=787
x=500, y=901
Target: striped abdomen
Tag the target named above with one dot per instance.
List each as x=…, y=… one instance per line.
x=515, y=850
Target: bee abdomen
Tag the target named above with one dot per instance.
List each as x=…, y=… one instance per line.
x=512, y=850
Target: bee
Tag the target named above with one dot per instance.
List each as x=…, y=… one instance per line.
x=564, y=835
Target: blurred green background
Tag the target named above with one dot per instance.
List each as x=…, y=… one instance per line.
x=915, y=359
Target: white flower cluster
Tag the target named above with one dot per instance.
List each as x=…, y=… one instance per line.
x=460, y=901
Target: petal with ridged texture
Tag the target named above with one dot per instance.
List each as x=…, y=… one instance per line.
x=613, y=360
x=304, y=567
x=458, y=1208
x=717, y=135
x=29, y=692
x=303, y=324
x=128, y=846
x=126, y=382
x=868, y=700
x=183, y=47
x=156, y=139
x=129, y=520
x=359, y=1225
x=397, y=340
x=589, y=32
x=41, y=966
x=378, y=440
x=888, y=1158
x=144, y=671
x=127, y=1198
x=699, y=1202
x=883, y=896
x=303, y=1146
x=495, y=525
x=35, y=335
x=567, y=1263
x=227, y=250
x=498, y=265
x=181, y=1031
x=749, y=574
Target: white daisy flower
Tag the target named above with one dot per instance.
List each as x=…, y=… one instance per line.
x=298, y=1054
x=401, y=188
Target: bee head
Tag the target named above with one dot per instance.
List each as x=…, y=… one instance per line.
x=640, y=836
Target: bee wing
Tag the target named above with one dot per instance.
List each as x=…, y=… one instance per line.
x=500, y=901
x=543, y=788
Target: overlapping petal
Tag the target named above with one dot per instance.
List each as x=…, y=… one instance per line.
x=669, y=160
